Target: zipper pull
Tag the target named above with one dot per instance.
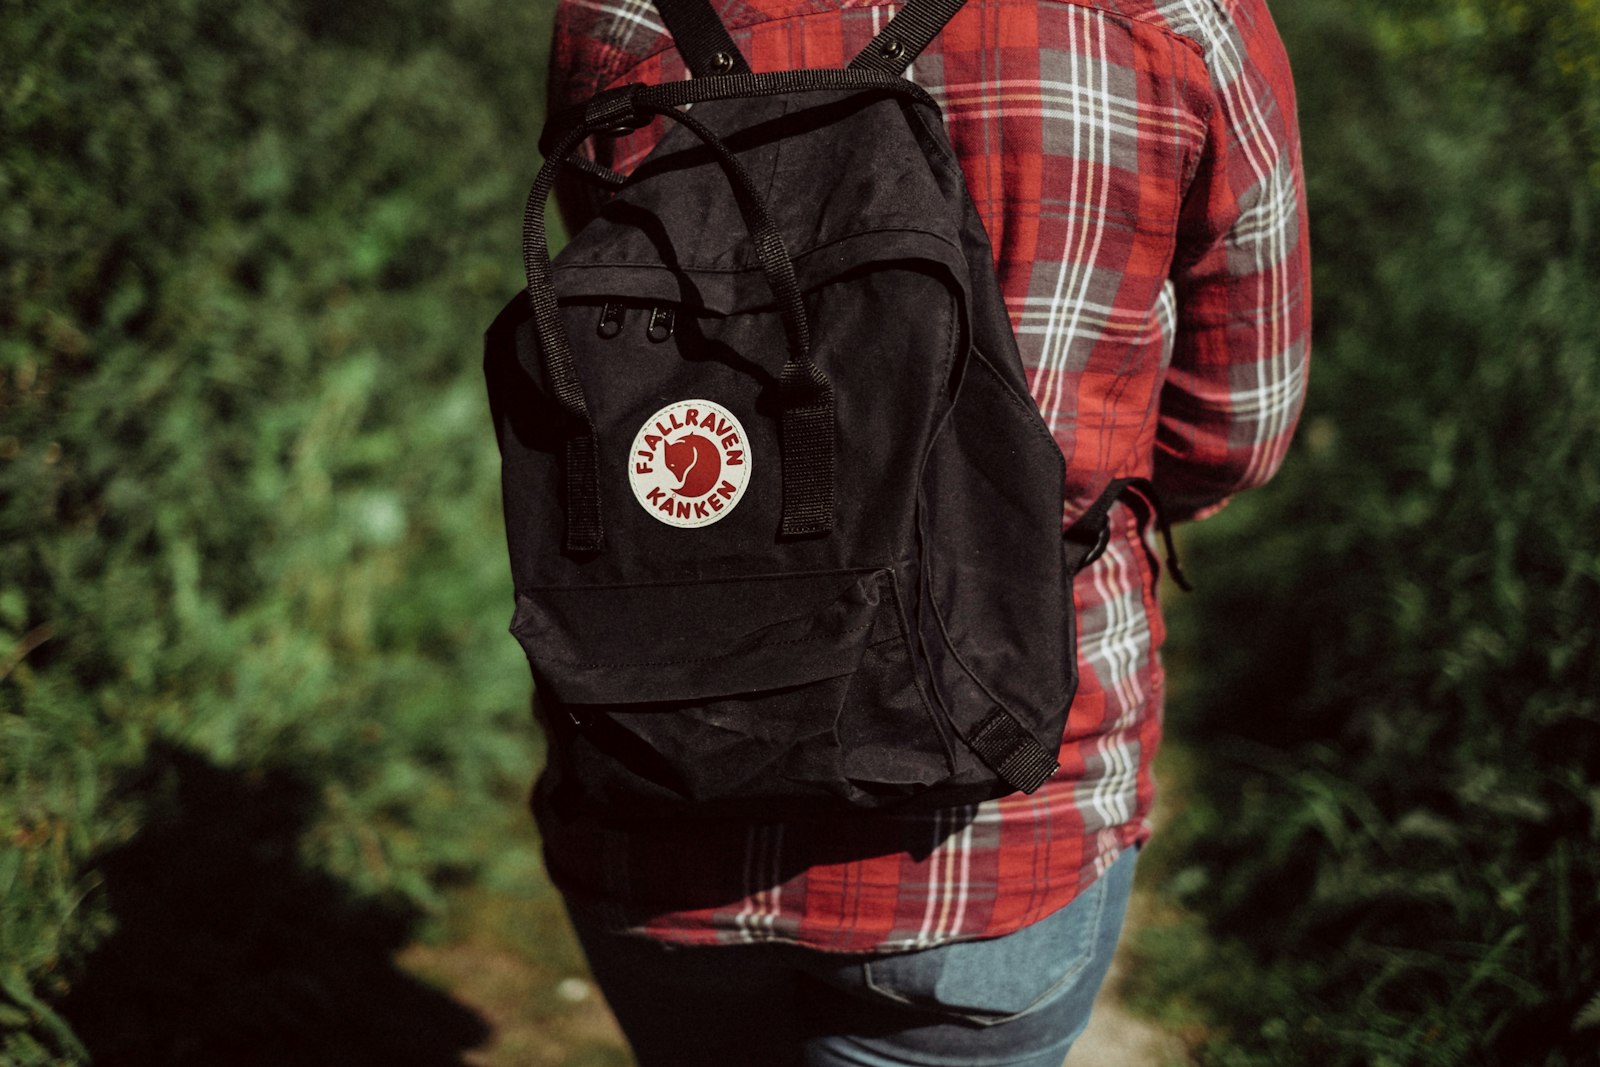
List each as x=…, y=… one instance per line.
x=661, y=322
x=610, y=321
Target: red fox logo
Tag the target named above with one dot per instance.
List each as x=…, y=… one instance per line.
x=696, y=462
x=690, y=463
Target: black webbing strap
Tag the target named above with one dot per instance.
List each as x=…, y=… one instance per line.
x=1088, y=536
x=604, y=175
x=906, y=35
x=806, y=443
x=1012, y=752
x=701, y=38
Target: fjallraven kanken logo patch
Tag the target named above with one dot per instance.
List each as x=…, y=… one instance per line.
x=689, y=463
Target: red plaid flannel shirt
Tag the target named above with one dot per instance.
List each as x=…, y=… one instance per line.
x=1137, y=165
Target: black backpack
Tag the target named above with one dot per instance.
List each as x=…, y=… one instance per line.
x=785, y=523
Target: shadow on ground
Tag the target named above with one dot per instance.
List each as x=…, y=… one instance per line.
x=228, y=952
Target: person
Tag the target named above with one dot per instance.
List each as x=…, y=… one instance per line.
x=1136, y=164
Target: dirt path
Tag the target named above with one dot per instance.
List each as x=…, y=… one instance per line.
x=537, y=1018
x=1118, y=1038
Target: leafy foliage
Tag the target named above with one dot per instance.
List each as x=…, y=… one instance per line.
x=1393, y=702
x=248, y=508
x=252, y=594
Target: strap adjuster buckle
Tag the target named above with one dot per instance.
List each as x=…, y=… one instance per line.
x=1100, y=542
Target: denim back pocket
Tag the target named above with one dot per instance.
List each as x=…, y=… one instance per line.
x=985, y=983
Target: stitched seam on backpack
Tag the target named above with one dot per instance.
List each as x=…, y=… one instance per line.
x=725, y=655
x=771, y=576
x=810, y=250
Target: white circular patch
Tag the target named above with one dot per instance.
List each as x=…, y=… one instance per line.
x=689, y=463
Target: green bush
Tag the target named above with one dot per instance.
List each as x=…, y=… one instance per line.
x=1390, y=717
x=248, y=504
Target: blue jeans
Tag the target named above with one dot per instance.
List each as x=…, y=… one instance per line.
x=1013, y=1001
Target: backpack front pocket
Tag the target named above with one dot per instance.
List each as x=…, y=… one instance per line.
x=753, y=691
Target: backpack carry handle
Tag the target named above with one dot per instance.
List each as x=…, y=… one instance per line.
x=734, y=86
x=807, y=433
x=581, y=462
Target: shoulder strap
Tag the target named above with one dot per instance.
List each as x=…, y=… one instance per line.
x=1088, y=536
x=708, y=50
x=701, y=38
x=907, y=34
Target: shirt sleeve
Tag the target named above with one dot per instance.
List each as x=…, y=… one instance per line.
x=1241, y=278
x=589, y=46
